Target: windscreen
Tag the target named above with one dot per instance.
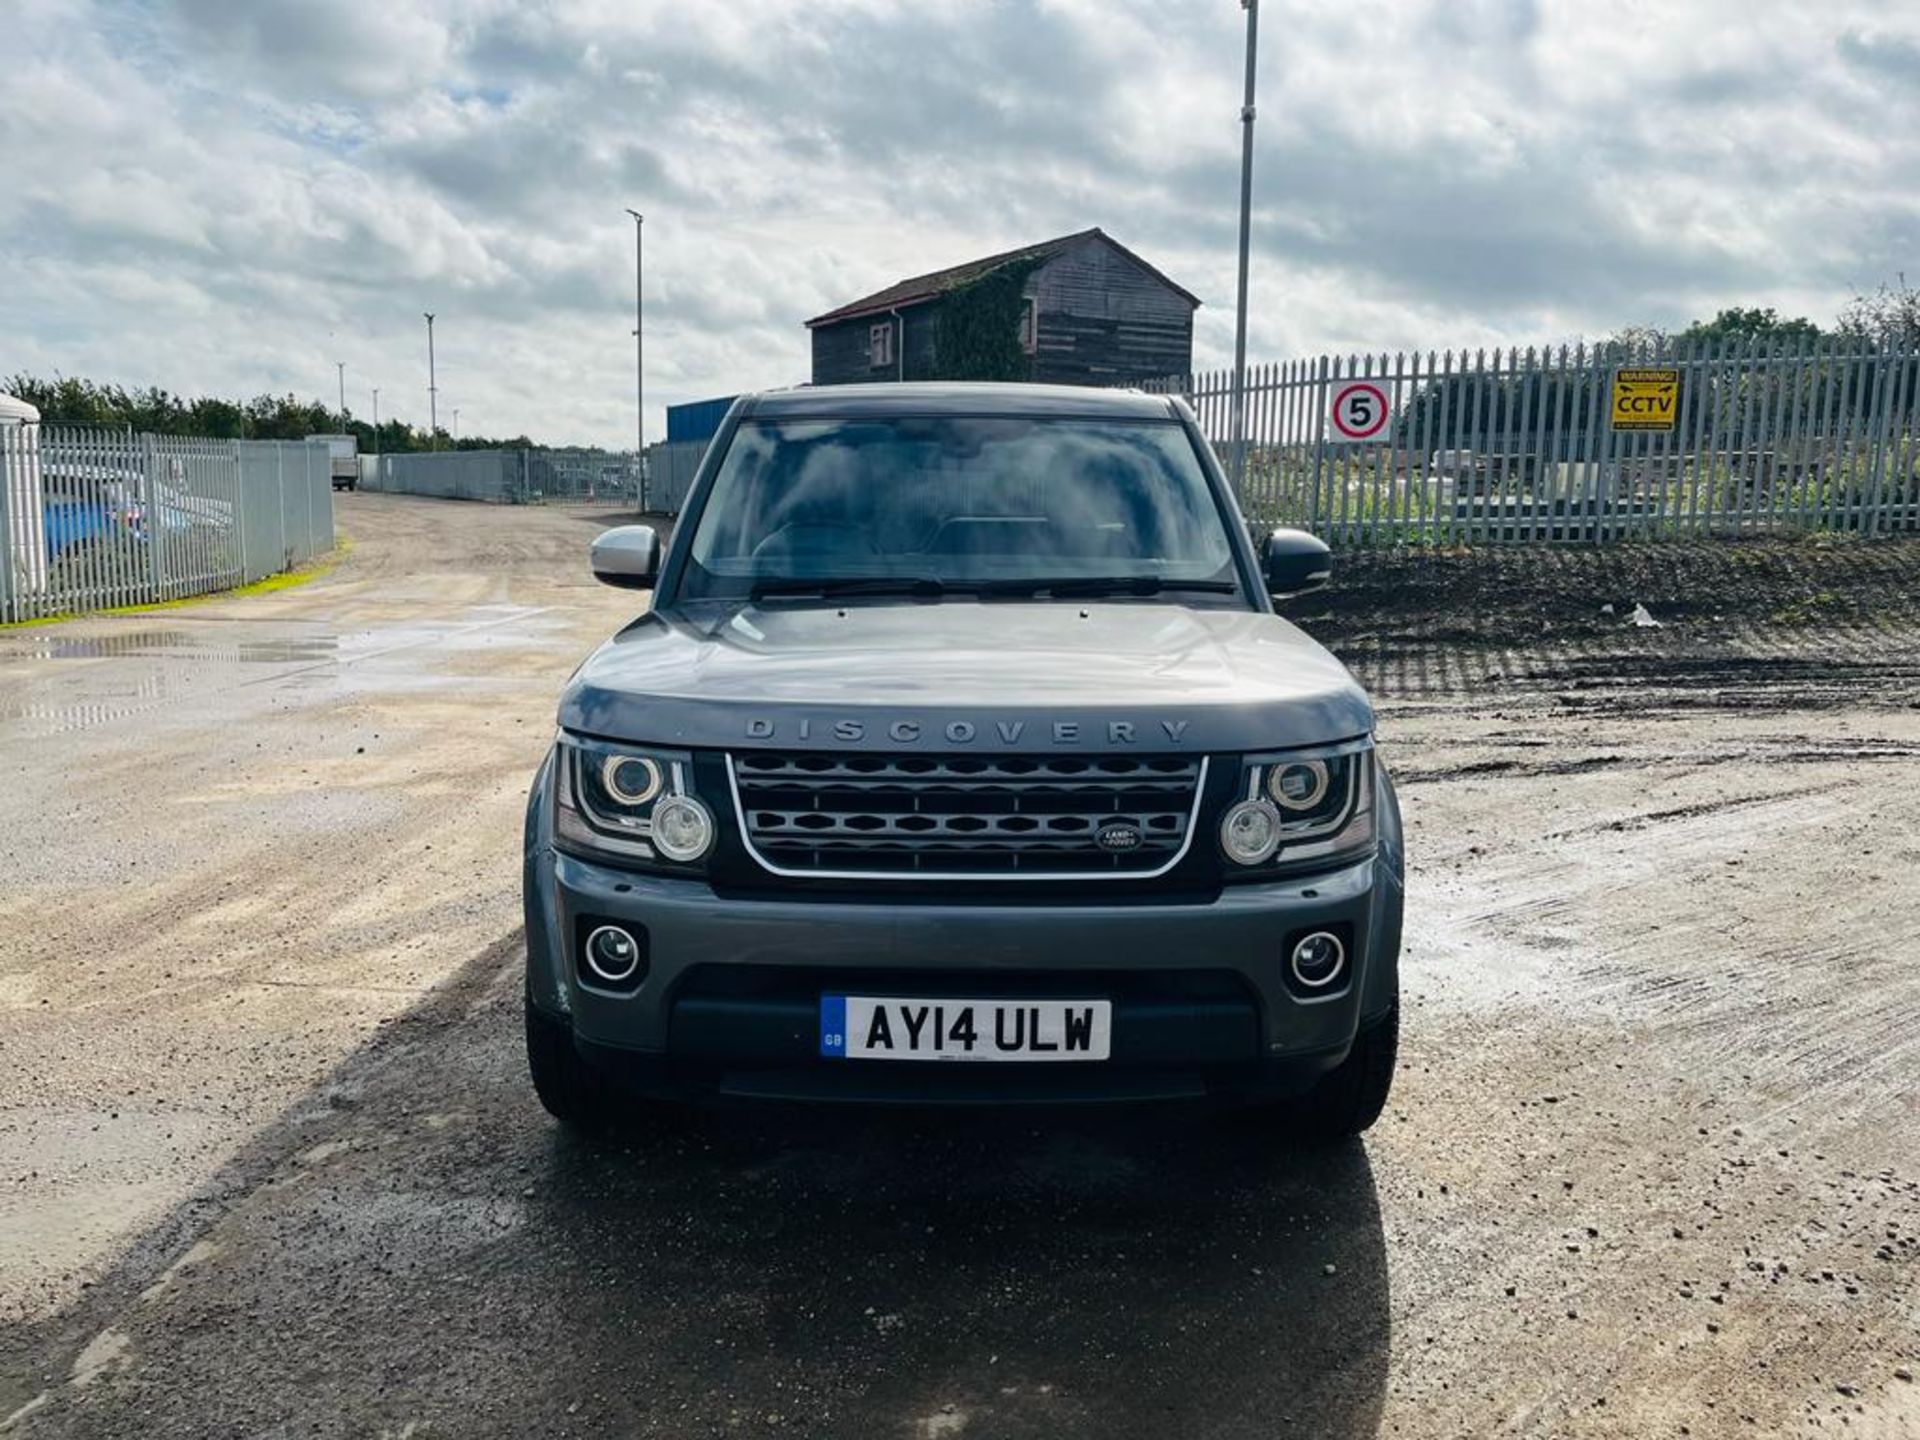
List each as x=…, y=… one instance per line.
x=958, y=500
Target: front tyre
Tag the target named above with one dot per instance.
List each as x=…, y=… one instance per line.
x=571, y=1090
x=1350, y=1097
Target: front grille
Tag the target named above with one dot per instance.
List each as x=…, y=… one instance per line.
x=963, y=815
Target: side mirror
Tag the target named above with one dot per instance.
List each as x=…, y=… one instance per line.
x=627, y=556
x=1296, y=562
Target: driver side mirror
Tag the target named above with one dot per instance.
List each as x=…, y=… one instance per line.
x=1296, y=562
x=627, y=556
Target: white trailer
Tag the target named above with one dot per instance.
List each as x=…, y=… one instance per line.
x=344, y=451
x=23, y=546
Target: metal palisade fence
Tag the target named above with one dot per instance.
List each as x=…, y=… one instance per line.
x=1575, y=444
x=94, y=519
x=509, y=477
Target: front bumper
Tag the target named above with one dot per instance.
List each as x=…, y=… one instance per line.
x=729, y=1003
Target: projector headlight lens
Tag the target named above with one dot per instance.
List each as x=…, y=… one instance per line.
x=631, y=779
x=1297, y=784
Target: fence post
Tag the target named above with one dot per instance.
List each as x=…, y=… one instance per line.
x=1319, y=403
x=240, y=507
x=319, y=497
x=156, y=531
x=1883, y=403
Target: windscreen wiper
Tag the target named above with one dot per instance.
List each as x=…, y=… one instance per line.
x=1089, y=586
x=831, y=588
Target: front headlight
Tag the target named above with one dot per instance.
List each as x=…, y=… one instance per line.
x=1303, y=806
x=628, y=803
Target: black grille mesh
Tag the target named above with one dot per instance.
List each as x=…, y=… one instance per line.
x=964, y=814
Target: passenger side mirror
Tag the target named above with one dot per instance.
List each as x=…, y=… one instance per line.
x=1296, y=562
x=627, y=556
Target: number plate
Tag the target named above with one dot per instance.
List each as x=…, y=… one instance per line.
x=872, y=1027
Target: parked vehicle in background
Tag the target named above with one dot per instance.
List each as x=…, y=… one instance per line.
x=345, y=453
x=962, y=730
x=88, y=506
x=95, y=508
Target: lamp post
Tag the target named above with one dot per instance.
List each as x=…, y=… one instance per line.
x=639, y=359
x=456, y=427
x=341, y=366
x=376, y=419
x=433, y=391
x=1239, y=407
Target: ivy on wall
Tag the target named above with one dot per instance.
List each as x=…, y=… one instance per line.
x=976, y=333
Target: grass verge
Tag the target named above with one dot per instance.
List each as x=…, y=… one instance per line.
x=271, y=584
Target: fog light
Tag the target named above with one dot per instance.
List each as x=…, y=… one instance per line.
x=1250, y=832
x=1318, y=960
x=682, y=828
x=612, y=954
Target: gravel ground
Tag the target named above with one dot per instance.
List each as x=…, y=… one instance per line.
x=269, y=1164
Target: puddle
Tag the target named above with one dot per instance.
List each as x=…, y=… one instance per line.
x=151, y=667
x=60, y=716
x=179, y=643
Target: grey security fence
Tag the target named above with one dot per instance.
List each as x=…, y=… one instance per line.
x=93, y=519
x=670, y=471
x=490, y=475
x=1575, y=444
x=508, y=477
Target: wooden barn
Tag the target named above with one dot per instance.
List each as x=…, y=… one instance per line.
x=1079, y=310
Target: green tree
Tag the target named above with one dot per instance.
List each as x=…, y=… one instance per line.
x=1750, y=325
x=1889, y=317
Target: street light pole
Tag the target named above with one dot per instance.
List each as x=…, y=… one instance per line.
x=456, y=427
x=376, y=419
x=639, y=359
x=1252, y=7
x=341, y=366
x=433, y=391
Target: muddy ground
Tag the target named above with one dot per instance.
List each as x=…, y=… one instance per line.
x=269, y=1164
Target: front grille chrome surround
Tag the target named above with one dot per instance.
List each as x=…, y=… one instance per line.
x=857, y=816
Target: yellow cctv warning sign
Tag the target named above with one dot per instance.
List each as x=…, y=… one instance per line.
x=1645, y=399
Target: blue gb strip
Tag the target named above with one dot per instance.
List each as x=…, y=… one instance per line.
x=833, y=1026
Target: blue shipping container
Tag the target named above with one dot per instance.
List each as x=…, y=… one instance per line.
x=697, y=419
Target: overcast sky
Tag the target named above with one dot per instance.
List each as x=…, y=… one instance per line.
x=228, y=197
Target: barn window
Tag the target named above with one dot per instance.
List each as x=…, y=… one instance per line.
x=1030, y=325
x=880, y=344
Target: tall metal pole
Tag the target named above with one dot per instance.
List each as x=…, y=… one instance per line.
x=639, y=358
x=433, y=391
x=456, y=427
x=376, y=419
x=341, y=366
x=1252, y=7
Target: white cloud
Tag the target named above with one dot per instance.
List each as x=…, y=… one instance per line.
x=230, y=198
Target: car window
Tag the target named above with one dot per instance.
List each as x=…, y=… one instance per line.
x=957, y=499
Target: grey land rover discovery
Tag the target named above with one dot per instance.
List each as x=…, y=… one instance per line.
x=962, y=758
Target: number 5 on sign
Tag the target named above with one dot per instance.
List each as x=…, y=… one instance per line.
x=1358, y=411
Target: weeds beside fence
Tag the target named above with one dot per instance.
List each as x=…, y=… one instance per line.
x=1522, y=445
x=94, y=519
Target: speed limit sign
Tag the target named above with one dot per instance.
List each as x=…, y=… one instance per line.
x=1359, y=411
